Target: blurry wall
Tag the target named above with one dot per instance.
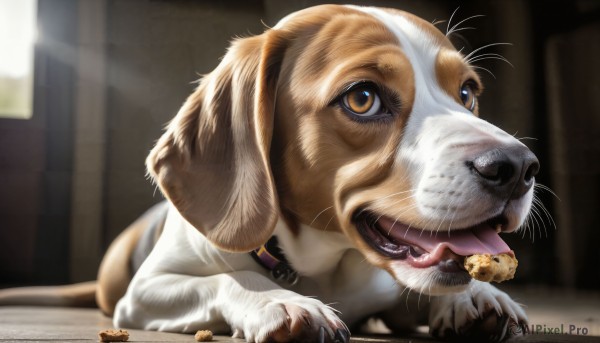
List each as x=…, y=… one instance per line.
x=36, y=160
x=111, y=73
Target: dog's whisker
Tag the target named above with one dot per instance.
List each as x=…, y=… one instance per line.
x=393, y=224
x=429, y=291
x=451, y=205
x=424, y=225
x=531, y=226
x=490, y=54
x=541, y=219
x=484, y=47
x=317, y=216
x=404, y=288
x=477, y=59
x=535, y=216
x=399, y=201
x=547, y=189
x=398, y=217
x=407, y=290
x=489, y=57
x=457, y=206
x=484, y=69
x=408, y=229
x=407, y=297
x=463, y=28
x=437, y=230
x=404, y=210
x=537, y=202
x=397, y=193
x=451, y=222
x=266, y=26
x=409, y=208
x=330, y=219
x=436, y=22
x=524, y=228
x=540, y=205
x=450, y=21
x=455, y=27
x=432, y=232
x=428, y=226
x=539, y=209
x=451, y=208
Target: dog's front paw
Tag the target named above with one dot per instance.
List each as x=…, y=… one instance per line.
x=297, y=319
x=482, y=312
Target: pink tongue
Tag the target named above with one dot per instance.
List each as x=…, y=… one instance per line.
x=480, y=240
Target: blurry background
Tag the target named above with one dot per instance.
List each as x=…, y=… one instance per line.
x=107, y=75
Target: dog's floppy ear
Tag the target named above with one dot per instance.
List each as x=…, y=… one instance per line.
x=212, y=162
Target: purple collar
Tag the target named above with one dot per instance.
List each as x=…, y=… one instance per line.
x=270, y=256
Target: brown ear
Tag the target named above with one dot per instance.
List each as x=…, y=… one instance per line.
x=212, y=162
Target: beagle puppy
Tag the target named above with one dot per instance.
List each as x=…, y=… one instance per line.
x=325, y=168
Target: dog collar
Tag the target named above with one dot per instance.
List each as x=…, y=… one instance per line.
x=270, y=256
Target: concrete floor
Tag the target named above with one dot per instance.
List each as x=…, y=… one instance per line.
x=548, y=309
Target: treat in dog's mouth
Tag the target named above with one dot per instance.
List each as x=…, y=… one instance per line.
x=421, y=249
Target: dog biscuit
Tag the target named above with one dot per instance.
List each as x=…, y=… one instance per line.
x=113, y=335
x=487, y=267
x=204, y=336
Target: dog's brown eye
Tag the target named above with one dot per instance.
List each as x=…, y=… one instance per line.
x=467, y=96
x=362, y=101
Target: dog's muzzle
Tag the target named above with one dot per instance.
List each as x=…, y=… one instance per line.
x=505, y=173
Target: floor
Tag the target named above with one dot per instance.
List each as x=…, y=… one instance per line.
x=546, y=309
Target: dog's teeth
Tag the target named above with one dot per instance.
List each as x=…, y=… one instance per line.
x=498, y=228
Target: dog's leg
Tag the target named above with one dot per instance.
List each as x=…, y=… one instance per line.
x=245, y=303
x=482, y=311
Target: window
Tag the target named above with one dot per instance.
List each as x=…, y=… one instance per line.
x=17, y=38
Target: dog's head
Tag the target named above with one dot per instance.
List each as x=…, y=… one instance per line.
x=357, y=120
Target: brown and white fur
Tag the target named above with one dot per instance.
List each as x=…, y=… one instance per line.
x=267, y=146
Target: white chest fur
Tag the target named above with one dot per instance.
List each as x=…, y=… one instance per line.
x=336, y=273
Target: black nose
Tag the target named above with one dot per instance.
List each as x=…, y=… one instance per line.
x=508, y=173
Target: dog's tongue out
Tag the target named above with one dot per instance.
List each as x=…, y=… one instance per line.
x=478, y=240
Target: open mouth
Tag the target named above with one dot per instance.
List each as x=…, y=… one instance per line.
x=422, y=249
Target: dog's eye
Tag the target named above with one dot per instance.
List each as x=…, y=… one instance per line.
x=467, y=95
x=362, y=101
